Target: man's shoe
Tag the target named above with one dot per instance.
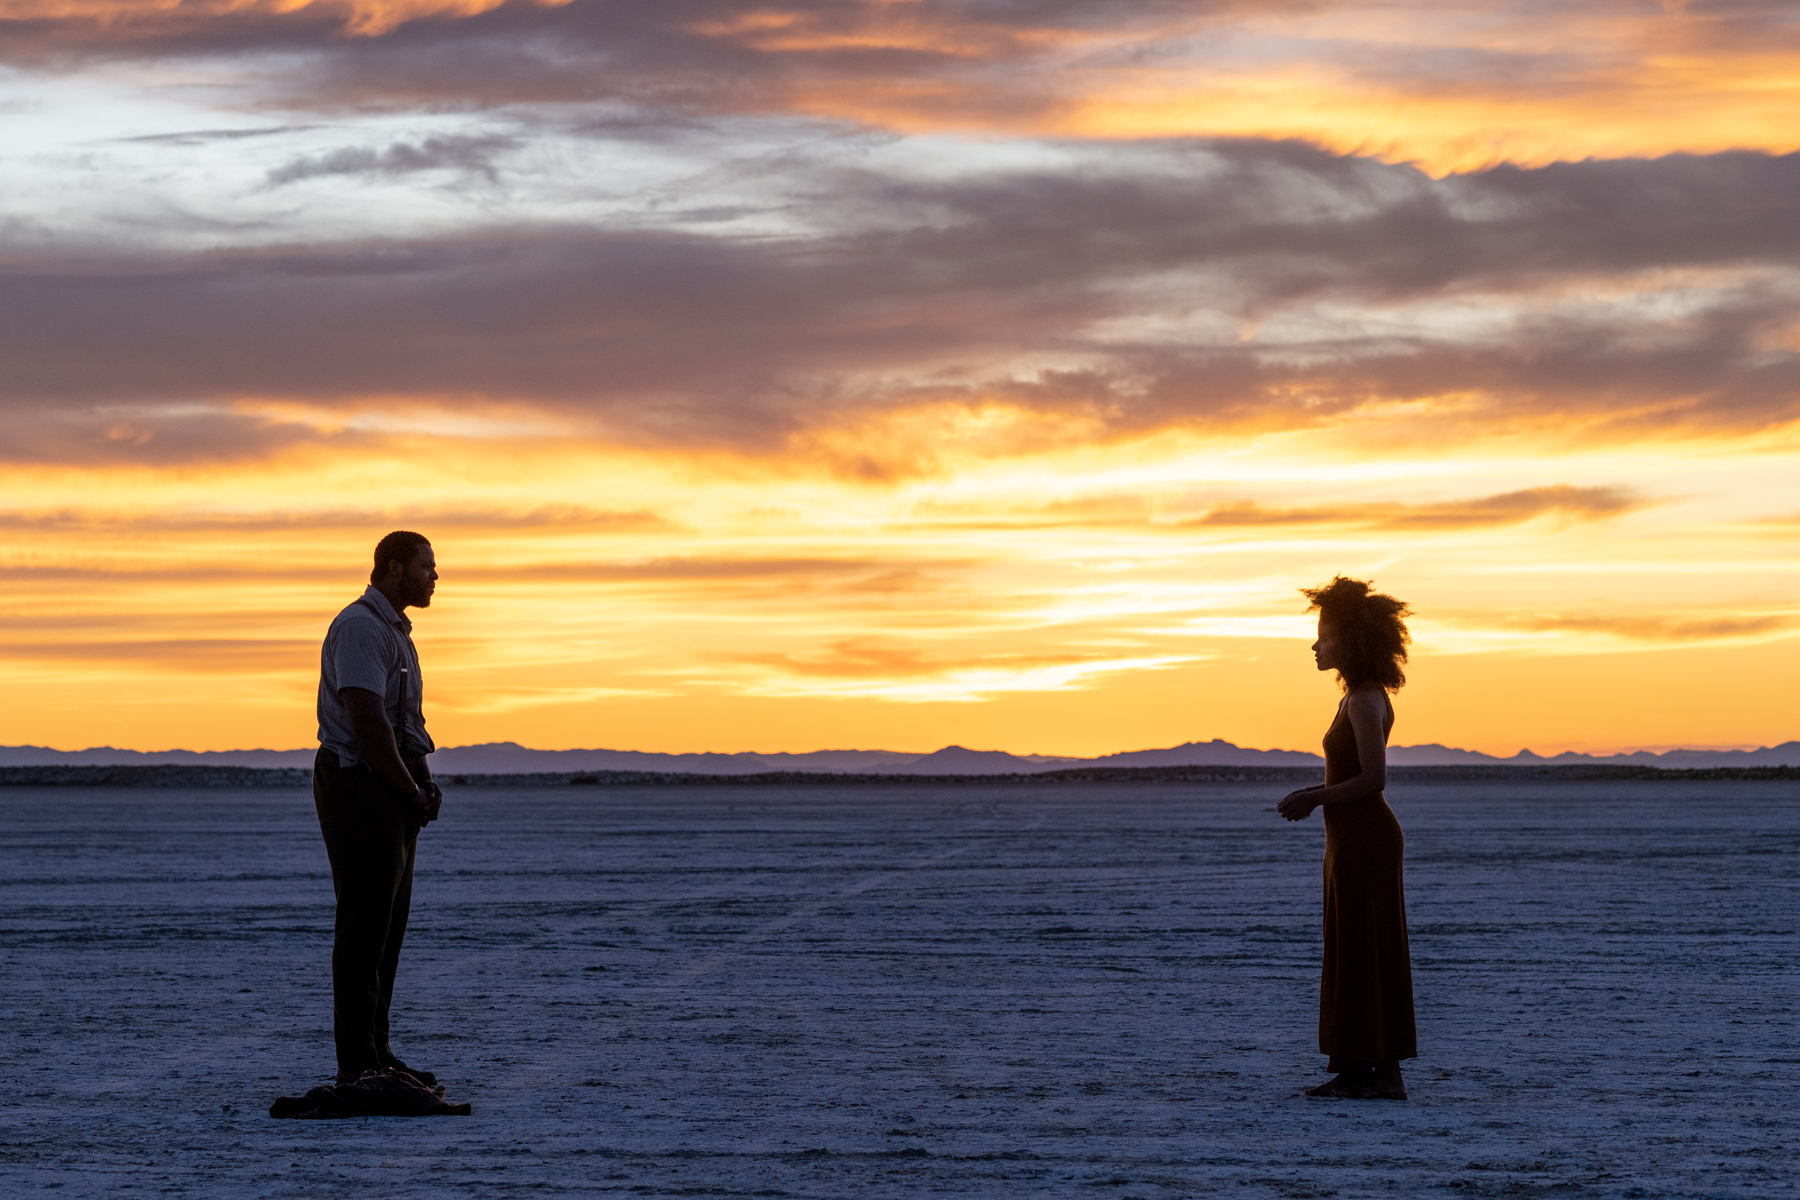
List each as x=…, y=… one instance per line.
x=393, y=1064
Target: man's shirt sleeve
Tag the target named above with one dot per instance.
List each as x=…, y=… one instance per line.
x=359, y=657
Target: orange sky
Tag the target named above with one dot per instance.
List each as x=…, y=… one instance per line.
x=884, y=376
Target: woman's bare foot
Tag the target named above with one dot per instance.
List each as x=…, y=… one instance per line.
x=1345, y=1085
x=1385, y=1082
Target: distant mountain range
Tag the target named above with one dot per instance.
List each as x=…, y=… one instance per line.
x=510, y=758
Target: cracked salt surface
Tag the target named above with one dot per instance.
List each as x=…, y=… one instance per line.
x=975, y=990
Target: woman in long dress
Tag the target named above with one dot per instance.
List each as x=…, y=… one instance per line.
x=1365, y=989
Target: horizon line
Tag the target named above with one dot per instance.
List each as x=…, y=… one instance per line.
x=1657, y=749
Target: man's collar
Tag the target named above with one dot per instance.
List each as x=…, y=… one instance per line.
x=380, y=602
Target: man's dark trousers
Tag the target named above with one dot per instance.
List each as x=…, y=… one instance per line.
x=370, y=837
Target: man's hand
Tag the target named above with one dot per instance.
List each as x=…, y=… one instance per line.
x=368, y=719
x=425, y=802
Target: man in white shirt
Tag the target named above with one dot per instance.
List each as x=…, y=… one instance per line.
x=374, y=792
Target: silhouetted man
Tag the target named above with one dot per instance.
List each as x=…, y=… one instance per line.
x=373, y=792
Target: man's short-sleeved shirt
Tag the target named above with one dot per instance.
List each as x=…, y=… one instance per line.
x=370, y=646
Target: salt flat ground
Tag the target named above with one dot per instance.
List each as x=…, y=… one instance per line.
x=980, y=990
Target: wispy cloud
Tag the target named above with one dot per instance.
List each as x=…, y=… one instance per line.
x=216, y=25
x=1451, y=84
x=212, y=656
x=459, y=155
x=540, y=518
x=1508, y=508
x=1674, y=628
x=1615, y=300
x=905, y=675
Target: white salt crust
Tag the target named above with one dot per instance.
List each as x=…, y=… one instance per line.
x=972, y=990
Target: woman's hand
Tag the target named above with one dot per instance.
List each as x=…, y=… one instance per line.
x=1297, y=806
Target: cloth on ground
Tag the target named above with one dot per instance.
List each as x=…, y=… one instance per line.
x=383, y=1093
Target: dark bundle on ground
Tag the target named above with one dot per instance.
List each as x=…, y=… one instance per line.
x=391, y=1093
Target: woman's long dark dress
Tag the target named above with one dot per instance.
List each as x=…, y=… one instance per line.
x=1365, y=990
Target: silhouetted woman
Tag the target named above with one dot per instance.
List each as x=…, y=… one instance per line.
x=1365, y=989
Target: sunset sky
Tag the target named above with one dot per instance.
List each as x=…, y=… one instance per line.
x=892, y=373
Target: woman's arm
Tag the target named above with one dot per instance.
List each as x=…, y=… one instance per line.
x=1368, y=713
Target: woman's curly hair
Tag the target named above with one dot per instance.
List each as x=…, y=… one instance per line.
x=1371, y=627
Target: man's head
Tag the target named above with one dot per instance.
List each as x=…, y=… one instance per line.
x=405, y=569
